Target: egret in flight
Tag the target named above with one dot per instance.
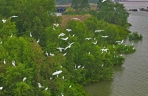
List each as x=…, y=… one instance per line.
x=62, y=34
x=60, y=48
x=98, y=31
x=88, y=38
x=14, y=16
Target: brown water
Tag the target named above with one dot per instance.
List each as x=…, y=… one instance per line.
x=130, y=79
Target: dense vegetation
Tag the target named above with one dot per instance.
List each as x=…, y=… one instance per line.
x=30, y=39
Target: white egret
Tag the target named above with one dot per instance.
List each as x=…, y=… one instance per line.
x=56, y=25
x=13, y=16
x=75, y=19
x=30, y=34
x=51, y=54
x=53, y=28
x=60, y=48
x=104, y=36
x=69, y=46
x=46, y=88
x=83, y=67
x=98, y=31
x=13, y=63
x=68, y=30
x=38, y=41
x=79, y=66
x=95, y=42
x=39, y=85
x=63, y=77
x=70, y=86
x=11, y=35
x=65, y=38
x=4, y=61
x=103, y=0
x=57, y=72
x=62, y=34
x=88, y=52
x=3, y=20
x=88, y=38
x=24, y=79
x=46, y=53
x=64, y=54
x=1, y=42
x=50, y=78
x=1, y=88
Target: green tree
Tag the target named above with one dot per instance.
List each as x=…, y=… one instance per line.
x=80, y=5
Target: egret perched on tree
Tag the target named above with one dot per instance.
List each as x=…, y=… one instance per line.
x=95, y=42
x=60, y=48
x=4, y=21
x=13, y=63
x=98, y=31
x=104, y=36
x=30, y=34
x=13, y=16
x=38, y=41
x=64, y=54
x=57, y=72
x=62, y=34
x=68, y=30
x=51, y=54
x=70, y=86
x=4, y=61
x=1, y=88
x=1, y=42
x=39, y=85
x=11, y=35
x=56, y=25
x=88, y=38
x=24, y=79
x=46, y=53
x=65, y=38
x=46, y=88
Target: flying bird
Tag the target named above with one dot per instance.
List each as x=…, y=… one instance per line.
x=60, y=48
x=88, y=38
x=13, y=16
x=98, y=31
x=62, y=34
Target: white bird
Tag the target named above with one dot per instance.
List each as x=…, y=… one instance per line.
x=11, y=35
x=70, y=86
x=60, y=49
x=38, y=41
x=51, y=54
x=30, y=34
x=1, y=88
x=14, y=16
x=104, y=36
x=50, y=78
x=39, y=85
x=46, y=88
x=4, y=61
x=103, y=0
x=61, y=66
x=88, y=52
x=56, y=25
x=57, y=72
x=62, y=94
x=69, y=46
x=79, y=66
x=53, y=28
x=46, y=53
x=1, y=42
x=75, y=19
x=24, y=79
x=68, y=30
x=13, y=63
x=62, y=34
x=65, y=38
x=63, y=77
x=64, y=54
x=83, y=67
x=88, y=38
x=95, y=42
x=4, y=21
x=98, y=30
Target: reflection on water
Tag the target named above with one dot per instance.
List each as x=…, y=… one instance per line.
x=130, y=79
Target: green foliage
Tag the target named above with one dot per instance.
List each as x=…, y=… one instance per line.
x=135, y=36
x=114, y=13
x=80, y=5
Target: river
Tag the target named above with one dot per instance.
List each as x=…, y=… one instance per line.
x=130, y=79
